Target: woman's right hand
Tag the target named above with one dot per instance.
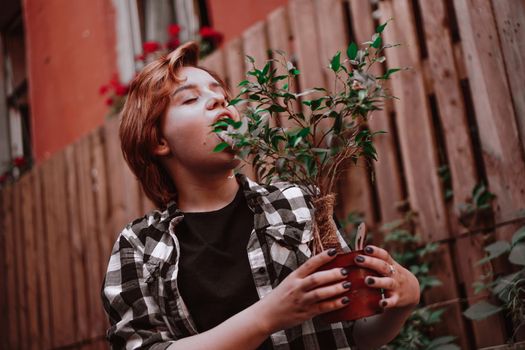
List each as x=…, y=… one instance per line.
x=304, y=294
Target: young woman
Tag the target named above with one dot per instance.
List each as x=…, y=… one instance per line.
x=226, y=264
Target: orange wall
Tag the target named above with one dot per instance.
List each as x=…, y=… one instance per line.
x=232, y=17
x=70, y=54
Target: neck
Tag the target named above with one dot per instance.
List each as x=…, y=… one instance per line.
x=205, y=192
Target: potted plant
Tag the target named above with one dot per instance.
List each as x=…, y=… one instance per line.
x=310, y=146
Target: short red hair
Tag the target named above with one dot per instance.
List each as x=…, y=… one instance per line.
x=140, y=119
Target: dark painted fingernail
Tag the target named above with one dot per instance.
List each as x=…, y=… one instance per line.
x=370, y=281
x=360, y=259
x=332, y=252
x=369, y=250
x=347, y=284
x=383, y=303
x=344, y=272
x=345, y=300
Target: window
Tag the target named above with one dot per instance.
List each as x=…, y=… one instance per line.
x=15, y=131
x=139, y=21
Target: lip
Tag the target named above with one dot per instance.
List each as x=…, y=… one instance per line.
x=224, y=113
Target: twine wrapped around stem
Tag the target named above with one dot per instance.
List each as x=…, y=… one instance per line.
x=325, y=230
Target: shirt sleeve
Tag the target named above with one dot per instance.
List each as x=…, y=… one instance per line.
x=134, y=315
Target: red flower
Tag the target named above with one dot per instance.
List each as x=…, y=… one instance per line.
x=121, y=89
x=109, y=101
x=150, y=47
x=211, y=34
x=103, y=89
x=173, y=30
x=173, y=43
x=19, y=162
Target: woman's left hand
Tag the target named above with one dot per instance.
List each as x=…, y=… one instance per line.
x=400, y=285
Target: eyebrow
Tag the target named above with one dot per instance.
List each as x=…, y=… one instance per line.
x=194, y=86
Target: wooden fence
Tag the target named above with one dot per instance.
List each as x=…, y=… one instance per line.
x=461, y=105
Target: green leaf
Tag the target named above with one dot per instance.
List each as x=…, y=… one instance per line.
x=503, y=282
x=234, y=101
x=250, y=58
x=495, y=249
x=277, y=109
x=481, y=310
x=390, y=72
x=279, y=77
x=351, y=51
x=266, y=68
x=381, y=27
x=518, y=235
x=221, y=147
x=376, y=44
x=517, y=254
x=304, y=132
x=244, y=82
x=335, y=63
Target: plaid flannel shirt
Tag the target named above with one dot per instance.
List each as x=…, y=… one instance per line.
x=140, y=293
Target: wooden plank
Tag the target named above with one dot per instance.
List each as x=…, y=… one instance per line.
x=234, y=61
x=78, y=251
x=116, y=166
x=303, y=22
x=510, y=20
x=454, y=323
x=29, y=206
x=100, y=192
x=10, y=266
x=235, y=73
x=353, y=185
x=469, y=250
x=60, y=274
x=461, y=158
x=332, y=35
x=42, y=265
x=414, y=122
x=215, y=62
x=452, y=111
x=491, y=95
x=279, y=39
x=4, y=320
x=255, y=44
x=89, y=228
x=387, y=173
x=21, y=301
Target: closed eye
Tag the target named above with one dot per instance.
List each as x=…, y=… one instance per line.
x=190, y=100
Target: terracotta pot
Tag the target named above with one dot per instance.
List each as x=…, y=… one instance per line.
x=364, y=300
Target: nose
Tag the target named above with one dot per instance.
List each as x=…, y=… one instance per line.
x=216, y=100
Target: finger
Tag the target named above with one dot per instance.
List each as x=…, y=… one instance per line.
x=381, y=282
x=330, y=305
x=374, y=263
x=389, y=302
x=315, y=262
x=380, y=253
x=328, y=292
x=322, y=278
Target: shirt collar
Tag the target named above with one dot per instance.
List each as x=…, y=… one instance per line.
x=251, y=189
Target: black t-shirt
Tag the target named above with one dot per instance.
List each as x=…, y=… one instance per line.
x=215, y=279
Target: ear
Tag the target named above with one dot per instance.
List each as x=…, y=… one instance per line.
x=162, y=148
